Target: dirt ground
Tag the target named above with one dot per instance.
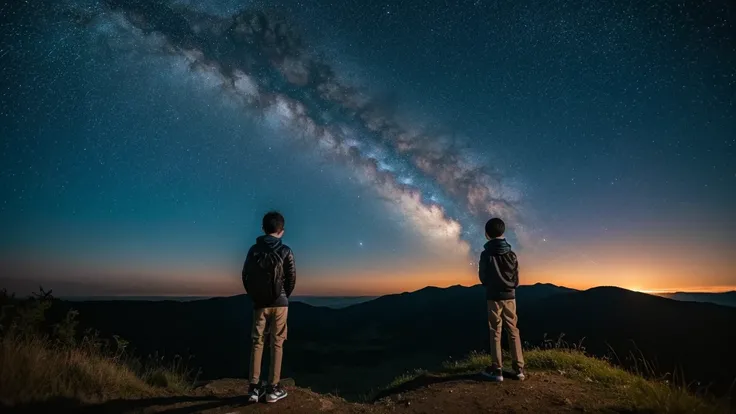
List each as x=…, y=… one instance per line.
x=540, y=393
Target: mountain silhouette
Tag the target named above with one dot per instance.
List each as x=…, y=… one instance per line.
x=367, y=344
x=670, y=334
x=721, y=298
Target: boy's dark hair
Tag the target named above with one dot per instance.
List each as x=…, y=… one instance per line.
x=273, y=222
x=495, y=227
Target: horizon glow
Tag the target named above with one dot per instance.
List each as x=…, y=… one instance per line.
x=140, y=150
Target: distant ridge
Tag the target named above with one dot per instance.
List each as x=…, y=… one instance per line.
x=334, y=302
x=534, y=291
x=134, y=298
x=720, y=298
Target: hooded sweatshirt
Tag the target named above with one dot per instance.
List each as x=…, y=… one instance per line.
x=498, y=270
x=269, y=242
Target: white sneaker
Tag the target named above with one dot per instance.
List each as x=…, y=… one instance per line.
x=519, y=375
x=275, y=393
x=255, y=392
x=494, y=374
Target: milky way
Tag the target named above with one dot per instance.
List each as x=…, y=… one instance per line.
x=148, y=138
x=262, y=61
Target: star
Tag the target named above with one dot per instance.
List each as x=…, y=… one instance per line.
x=429, y=146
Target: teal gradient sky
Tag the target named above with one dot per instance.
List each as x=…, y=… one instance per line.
x=610, y=126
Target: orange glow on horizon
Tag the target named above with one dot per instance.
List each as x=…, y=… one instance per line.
x=652, y=271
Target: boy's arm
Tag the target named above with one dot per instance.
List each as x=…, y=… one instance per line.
x=289, y=273
x=244, y=272
x=482, y=267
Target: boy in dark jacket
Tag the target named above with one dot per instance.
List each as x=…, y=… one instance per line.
x=498, y=270
x=269, y=278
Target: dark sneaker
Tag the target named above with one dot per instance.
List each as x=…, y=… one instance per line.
x=255, y=392
x=275, y=393
x=493, y=373
x=519, y=374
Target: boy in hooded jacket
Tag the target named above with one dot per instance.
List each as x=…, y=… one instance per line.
x=498, y=270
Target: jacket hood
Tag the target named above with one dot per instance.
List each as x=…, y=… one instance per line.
x=269, y=241
x=497, y=246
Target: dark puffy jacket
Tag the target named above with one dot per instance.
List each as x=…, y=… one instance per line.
x=275, y=244
x=498, y=270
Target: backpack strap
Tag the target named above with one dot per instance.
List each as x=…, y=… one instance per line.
x=495, y=264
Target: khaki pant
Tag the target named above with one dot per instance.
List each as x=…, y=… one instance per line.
x=275, y=319
x=504, y=312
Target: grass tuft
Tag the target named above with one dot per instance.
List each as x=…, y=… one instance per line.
x=409, y=376
x=31, y=369
x=40, y=361
x=633, y=389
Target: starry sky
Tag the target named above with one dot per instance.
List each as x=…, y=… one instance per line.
x=142, y=141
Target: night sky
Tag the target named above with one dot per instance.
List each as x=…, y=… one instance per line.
x=142, y=141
